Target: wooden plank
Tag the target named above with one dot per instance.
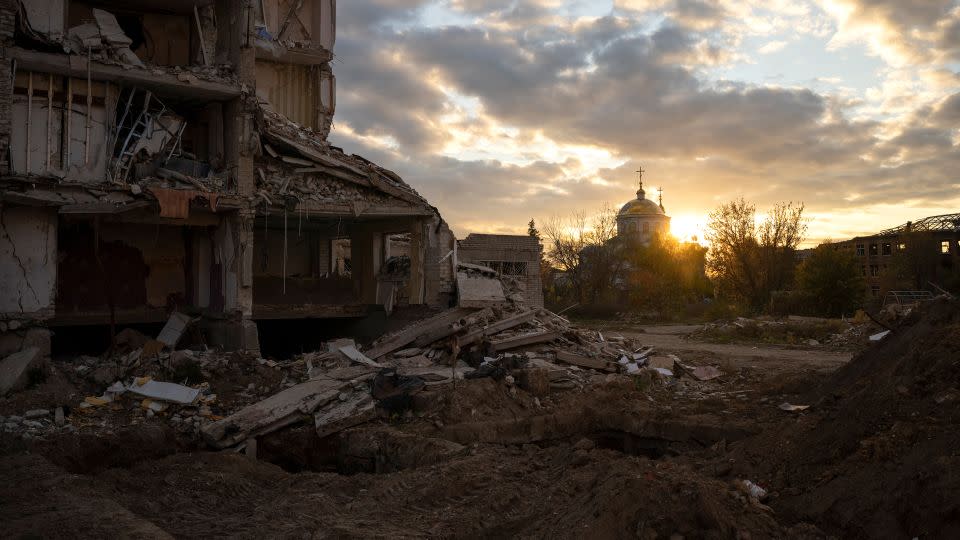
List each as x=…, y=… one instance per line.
x=340, y=415
x=451, y=329
x=32, y=198
x=296, y=161
x=497, y=327
x=275, y=412
x=308, y=311
x=406, y=336
x=524, y=340
x=585, y=361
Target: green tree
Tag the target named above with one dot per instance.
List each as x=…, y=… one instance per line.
x=830, y=280
x=532, y=230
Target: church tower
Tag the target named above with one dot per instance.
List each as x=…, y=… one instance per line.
x=641, y=218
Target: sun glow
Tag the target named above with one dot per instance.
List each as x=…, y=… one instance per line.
x=688, y=227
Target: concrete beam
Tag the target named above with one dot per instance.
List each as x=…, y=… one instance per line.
x=77, y=66
x=417, y=258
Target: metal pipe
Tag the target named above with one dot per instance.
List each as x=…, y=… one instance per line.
x=69, y=123
x=49, y=117
x=29, y=116
x=86, y=141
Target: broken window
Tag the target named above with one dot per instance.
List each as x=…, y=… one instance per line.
x=154, y=140
x=874, y=291
x=945, y=247
x=873, y=250
x=887, y=248
x=860, y=250
x=863, y=270
x=179, y=36
x=874, y=270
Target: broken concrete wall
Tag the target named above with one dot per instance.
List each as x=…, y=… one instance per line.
x=28, y=256
x=227, y=259
x=302, y=93
x=8, y=21
x=514, y=256
x=438, y=269
x=46, y=17
x=163, y=253
x=310, y=22
x=141, y=266
x=201, y=267
x=172, y=40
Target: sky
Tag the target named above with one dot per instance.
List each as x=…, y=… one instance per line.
x=499, y=111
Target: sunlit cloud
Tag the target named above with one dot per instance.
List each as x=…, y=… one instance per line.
x=502, y=111
x=772, y=47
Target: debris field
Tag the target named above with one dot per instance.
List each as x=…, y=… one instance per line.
x=488, y=422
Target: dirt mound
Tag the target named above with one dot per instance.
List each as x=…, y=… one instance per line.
x=876, y=456
x=560, y=491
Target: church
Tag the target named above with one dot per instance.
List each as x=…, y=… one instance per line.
x=640, y=219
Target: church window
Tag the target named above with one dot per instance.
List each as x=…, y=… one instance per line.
x=632, y=227
x=646, y=227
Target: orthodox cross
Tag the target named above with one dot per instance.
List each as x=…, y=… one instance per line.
x=640, y=172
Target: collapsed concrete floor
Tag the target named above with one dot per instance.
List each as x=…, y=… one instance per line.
x=874, y=456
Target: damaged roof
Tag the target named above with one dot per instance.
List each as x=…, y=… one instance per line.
x=300, y=164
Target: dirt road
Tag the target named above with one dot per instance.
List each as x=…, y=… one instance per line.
x=671, y=339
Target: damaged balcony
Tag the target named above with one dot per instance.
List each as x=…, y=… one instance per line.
x=98, y=133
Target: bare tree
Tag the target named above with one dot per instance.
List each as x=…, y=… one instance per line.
x=748, y=262
x=565, y=241
x=577, y=247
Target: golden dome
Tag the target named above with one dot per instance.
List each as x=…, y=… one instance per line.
x=641, y=207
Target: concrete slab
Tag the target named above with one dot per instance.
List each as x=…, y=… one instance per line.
x=476, y=291
x=15, y=369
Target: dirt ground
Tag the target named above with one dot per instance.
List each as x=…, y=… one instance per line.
x=874, y=457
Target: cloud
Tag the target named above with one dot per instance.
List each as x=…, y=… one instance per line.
x=523, y=112
x=900, y=32
x=772, y=46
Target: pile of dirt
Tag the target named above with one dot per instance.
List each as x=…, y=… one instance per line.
x=560, y=491
x=877, y=453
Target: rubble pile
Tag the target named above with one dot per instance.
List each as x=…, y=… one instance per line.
x=531, y=350
x=793, y=330
x=302, y=164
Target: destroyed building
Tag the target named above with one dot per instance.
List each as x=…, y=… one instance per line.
x=173, y=156
x=515, y=257
x=921, y=255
